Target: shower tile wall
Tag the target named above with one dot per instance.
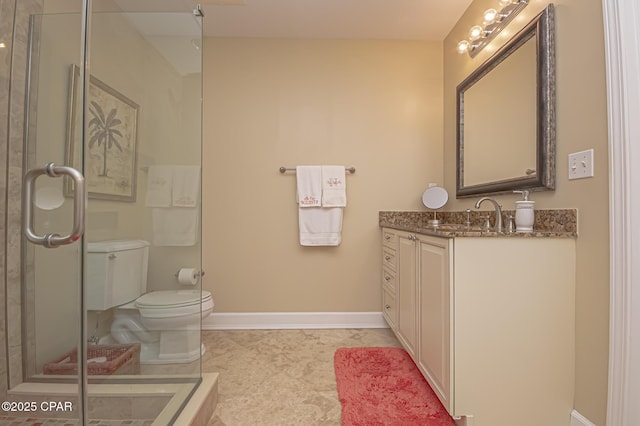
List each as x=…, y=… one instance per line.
x=14, y=30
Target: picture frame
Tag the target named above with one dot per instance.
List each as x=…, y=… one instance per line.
x=110, y=148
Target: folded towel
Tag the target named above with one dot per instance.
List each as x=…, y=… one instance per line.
x=309, y=182
x=159, y=184
x=320, y=226
x=175, y=227
x=334, y=192
x=186, y=186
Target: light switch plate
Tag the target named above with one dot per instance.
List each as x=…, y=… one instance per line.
x=581, y=164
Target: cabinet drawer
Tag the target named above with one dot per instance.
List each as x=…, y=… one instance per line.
x=389, y=238
x=389, y=308
x=389, y=280
x=389, y=258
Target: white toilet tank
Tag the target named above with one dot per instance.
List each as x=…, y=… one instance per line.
x=116, y=272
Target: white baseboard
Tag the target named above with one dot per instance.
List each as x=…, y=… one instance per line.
x=578, y=419
x=293, y=320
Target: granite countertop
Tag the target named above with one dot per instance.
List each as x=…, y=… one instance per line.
x=560, y=223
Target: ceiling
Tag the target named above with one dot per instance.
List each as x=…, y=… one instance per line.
x=176, y=36
x=360, y=19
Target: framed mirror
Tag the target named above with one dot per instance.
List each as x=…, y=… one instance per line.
x=506, y=116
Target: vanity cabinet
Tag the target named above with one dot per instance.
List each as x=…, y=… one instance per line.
x=489, y=321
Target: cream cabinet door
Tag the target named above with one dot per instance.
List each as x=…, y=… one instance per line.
x=435, y=315
x=406, y=297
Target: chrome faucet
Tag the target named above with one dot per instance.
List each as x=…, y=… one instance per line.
x=498, y=225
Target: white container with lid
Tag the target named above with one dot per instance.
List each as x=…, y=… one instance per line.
x=525, y=212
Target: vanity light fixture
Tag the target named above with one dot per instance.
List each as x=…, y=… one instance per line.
x=493, y=21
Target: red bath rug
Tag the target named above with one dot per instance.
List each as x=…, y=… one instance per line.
x=382, y=386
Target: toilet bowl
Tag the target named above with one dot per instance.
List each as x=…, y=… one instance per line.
x=166, y=323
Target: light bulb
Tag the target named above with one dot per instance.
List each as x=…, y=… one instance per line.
x=490, y=16
x=463, y=46
x=476, y=32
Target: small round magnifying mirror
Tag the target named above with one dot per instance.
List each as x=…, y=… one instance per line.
x=434, y=198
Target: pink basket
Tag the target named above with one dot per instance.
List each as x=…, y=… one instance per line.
x=120, y=359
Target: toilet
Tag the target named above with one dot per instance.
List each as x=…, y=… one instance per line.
x=166, y=323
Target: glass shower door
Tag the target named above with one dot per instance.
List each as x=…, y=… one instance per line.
x=141, y=112
x=142, y=163
x=143, y=147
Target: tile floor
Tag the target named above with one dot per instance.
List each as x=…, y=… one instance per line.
x=267, y=377
x=280, y=377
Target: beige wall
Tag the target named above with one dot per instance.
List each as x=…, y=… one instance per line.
x=581, y=124
x=376, y=105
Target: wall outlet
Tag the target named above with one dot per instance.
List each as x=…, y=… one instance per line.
x=581, y=164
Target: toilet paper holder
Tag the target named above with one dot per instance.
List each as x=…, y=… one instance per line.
x=200, y=273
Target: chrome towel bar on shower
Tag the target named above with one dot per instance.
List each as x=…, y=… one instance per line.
x=283, y=169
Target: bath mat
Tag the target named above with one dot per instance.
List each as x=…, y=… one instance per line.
x=382, y=386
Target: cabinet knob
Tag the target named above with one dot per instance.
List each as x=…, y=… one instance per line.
x=387, y=307
x=387, y=278
x=387, y=257
x=387, y=237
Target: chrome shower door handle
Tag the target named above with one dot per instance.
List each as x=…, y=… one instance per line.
x=79, y=194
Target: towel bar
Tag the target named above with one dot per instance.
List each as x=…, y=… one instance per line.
x=293, y=169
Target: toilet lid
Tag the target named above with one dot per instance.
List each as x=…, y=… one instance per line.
x=172, y=298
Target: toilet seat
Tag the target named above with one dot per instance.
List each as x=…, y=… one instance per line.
x=174, y=303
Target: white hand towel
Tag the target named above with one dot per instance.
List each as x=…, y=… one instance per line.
x=186, y=186
x=309, y=182
x=175, y=227
x=320, y=226
x=334, y=188
x=159, y=183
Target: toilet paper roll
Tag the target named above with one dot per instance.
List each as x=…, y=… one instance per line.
x=187, y=276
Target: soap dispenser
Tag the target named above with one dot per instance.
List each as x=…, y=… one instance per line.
x=524, y=212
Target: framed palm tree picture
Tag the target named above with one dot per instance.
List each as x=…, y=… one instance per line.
x=110, y=140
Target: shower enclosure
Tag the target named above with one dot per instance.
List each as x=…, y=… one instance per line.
x=96, y=95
